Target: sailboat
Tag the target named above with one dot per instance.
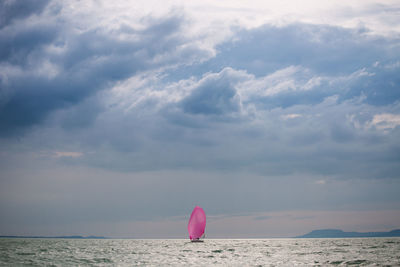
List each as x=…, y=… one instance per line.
x=197, y=225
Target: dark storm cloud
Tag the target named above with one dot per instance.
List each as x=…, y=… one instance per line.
x=84, y=63
x=11, y=10
x=16, y=44
x=214, y=94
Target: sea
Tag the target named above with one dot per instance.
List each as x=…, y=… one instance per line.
x=218, y=252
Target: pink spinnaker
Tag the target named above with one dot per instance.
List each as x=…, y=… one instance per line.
x=197, y=223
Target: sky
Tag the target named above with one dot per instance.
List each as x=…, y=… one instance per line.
x=118, y=117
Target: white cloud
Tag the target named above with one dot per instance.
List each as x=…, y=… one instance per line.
x=292, y=78
x=291, y=116
x=384, y=121
x=379, y=16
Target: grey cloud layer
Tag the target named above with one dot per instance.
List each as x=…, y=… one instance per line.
x=324, y=50
x=215, y=94
x=307, y=107
x=49, y=65
x=285, y=92
x=11, y=10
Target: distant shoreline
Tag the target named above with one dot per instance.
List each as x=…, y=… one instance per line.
x=337, y=233
x=323, y=233
x=61, y=237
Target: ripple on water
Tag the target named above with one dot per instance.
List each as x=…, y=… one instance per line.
x=25, y=253
x=356, y=262
x=277, y=252
x=339, y=251
x=102, y=260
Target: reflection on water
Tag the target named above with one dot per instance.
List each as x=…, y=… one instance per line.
x=267, y=252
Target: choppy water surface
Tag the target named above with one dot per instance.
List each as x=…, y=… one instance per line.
x=265, y=252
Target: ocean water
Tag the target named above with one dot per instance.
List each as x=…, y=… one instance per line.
x=176, y=252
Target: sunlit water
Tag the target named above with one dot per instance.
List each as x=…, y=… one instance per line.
x=253, y=252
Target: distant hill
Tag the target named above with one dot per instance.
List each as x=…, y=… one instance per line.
x=67, y=237
x=336, y=233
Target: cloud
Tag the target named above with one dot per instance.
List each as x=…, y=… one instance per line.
x=267, y=48
x=385, y=121
x=47, y=68
x=100, y=100
x=314, y=51
x=17, y=42
x=233, y=120
x=11, y=10
x=291, y=116
x=292, y=65
x=215, y=94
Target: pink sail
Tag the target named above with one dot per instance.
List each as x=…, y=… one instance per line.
x=197, y=223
